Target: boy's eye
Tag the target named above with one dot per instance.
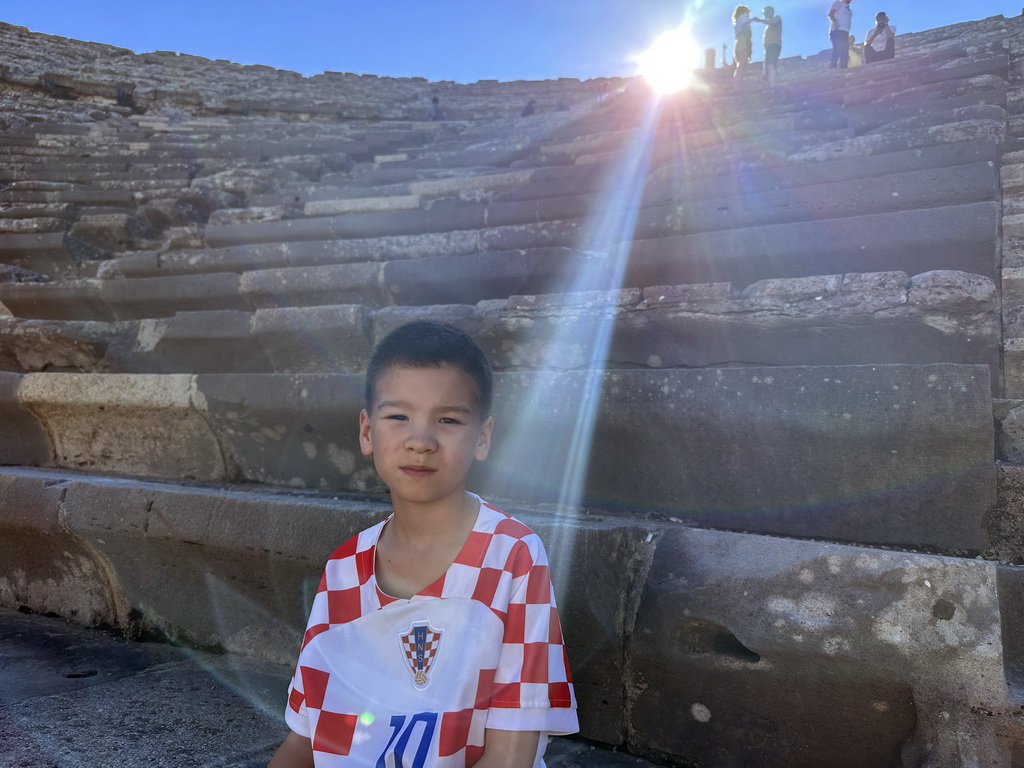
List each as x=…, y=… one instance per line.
x=449, y=420
x=397, y=417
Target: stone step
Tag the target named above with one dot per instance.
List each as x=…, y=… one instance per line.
x=917, y=189
x=146, y=535
x=835, y=444
x=848, y=319
x=275, y=255
x=26, y=194
x=871, y=84
x=107, y=300
x=569, y=181
x=872, y=117
x=957, y=237
x=921, y=189
x=63, y=345
x=555, y=182
x=57, y=254
x=63, y=211
x=121, y=179
x=547, y=258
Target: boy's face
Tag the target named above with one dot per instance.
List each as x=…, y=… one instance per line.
x=424, y=431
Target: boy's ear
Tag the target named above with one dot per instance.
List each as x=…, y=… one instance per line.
x=483, y=445
x=365, y=442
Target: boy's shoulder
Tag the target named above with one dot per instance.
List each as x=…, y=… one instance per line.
x=501, y=522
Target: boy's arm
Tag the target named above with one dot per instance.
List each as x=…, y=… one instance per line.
x=295, y=752
x=507, y=749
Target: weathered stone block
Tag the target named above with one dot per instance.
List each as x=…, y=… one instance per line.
x=494, y=275
x=46, y=254
x=333, y=339
x=961, y=237
x=69, y=300
x=362, y=205
x=114, y=231
x=885, y=194
x=44, y=567
x=245, y=567
x=49, y=345
x=1004, y=521
x=851, y=453
x=311, y=286
x=599, y=568
x=297, y=430
x=125, y=424
x=1013, y=367
x=24, y=439
x=136, y=298
x=757, y=652
x=440, y=218
x=191, y=342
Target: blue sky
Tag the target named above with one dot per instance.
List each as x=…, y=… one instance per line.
x=459, y=40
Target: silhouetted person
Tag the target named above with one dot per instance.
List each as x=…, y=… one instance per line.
x=744, y=44
x=880, y=41
x=841, y=18
x=436, y=113
x=856, y=55
x=772, y=44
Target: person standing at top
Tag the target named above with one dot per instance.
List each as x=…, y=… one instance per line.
x=841, y=18
x=744, y=44
x=772, y=44
x=436, y=113
x=880, y=41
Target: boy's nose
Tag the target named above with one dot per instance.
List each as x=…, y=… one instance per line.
x=421, y=438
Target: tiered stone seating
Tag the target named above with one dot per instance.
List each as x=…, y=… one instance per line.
x=803, y=296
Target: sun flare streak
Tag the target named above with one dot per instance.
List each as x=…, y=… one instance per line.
x=610, y=238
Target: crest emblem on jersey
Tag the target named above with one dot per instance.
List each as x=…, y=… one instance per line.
x=420, y=646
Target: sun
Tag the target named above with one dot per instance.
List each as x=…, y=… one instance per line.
x=668, y=64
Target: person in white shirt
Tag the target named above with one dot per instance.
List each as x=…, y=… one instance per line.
x=880, y=41
x=840, y=18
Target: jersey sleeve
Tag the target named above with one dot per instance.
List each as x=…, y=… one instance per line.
x=337, y=600
x=532, y=688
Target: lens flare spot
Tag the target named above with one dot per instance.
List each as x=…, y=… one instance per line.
x=668, y=64
x=367, y=718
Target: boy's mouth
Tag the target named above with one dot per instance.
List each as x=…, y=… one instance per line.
x=414, y=470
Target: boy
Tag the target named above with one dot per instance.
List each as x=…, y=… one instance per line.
x=433, y=640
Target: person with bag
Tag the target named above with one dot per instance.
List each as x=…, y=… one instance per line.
x=744, y=46
x=880, y=41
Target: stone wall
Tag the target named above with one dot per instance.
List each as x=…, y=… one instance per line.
x=783, y=327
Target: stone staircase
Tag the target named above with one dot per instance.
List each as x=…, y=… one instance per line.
x=779, y=327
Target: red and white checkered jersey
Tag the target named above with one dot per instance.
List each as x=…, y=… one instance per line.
x=391, y=683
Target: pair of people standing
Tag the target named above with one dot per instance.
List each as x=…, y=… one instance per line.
x=879, y=43
x=744, y=45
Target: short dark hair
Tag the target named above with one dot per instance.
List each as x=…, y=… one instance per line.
x=429, y=344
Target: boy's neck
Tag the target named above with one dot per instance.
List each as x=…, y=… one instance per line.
x=437, y=521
